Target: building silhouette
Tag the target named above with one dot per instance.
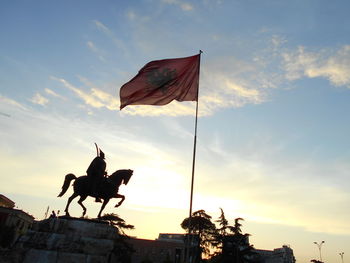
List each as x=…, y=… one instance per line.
x=13, y=222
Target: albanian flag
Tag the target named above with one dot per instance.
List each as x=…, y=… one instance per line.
x=161, y=81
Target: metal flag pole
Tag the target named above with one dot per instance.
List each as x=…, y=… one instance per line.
x=194, y=157
x=189, y=239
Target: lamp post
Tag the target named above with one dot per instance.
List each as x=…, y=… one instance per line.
x=342, y=257
x=319, y=248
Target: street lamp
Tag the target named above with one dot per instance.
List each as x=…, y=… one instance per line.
x=319, y=248
x=342, y=256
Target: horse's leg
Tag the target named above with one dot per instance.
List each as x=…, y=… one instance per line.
x=105, y=202
x=80, y=202
x=121, y=201
x=70, y=199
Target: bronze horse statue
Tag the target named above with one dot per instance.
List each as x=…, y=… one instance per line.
x=108, y=188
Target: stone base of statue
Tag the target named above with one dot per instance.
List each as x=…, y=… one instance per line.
x=66, y=240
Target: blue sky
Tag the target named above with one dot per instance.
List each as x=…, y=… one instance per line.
x=273, y=129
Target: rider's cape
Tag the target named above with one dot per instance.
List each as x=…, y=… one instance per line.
x=97, y=167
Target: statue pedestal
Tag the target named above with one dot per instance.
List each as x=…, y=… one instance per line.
x=66, y=240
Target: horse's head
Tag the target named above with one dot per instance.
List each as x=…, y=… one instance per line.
x=127, y=175
x=121, y=176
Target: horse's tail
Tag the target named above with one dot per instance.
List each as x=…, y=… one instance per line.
x=67, y=180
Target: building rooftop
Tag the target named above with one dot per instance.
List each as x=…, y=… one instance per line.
x=6, y=202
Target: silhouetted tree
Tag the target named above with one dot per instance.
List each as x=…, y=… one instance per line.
x=223, y=223
x=220, y=233
x=122, y=249
x=243, y=251
x=231, y=244
x=236, y=229
x=117, y=222
x=202, y=226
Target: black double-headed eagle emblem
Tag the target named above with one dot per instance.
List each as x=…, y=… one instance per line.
x=160, y=79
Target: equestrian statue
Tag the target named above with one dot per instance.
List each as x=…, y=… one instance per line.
x=96, y=184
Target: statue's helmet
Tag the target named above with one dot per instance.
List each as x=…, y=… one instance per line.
x=99, y=152
x=102, y=155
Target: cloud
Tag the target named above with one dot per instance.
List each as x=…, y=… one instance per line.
x=251, y=94
x=39, y=99
x=185, y=6
x=333, y=65
x=173, y=109
x=224, y=83
x=131, y=15
x=95, y=98
x=5, y=100
x=109, y=33
x=102, y=27
x=227, y=94
x=96, y=50
x=52, y=93
x=268, y=192
x=266, y=188
x=277, y=41
x=228, y=82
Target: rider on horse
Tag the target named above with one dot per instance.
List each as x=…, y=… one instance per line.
x=96, y=172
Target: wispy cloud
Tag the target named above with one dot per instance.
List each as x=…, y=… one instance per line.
x=131, y=15
x=232, y=83
x=277, y=41
x=5, y=100
x=39, y=99
x=254, y=95
x=224, y=83
x=226, y=94
x=333, y=65
x=103, y=28
x=173, y=109
x=52, y=93
x=275, y=194
x=185, y=6
x=96, y=50
x=138, y=18
x=109, y=33
x=95, y=98
x=229, y=82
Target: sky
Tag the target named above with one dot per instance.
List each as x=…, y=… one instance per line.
x=273, y=122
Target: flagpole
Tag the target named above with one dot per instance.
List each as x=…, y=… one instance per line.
x=193, y=168
x=194, y=157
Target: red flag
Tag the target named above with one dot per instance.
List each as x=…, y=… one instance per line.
x=161, y=81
